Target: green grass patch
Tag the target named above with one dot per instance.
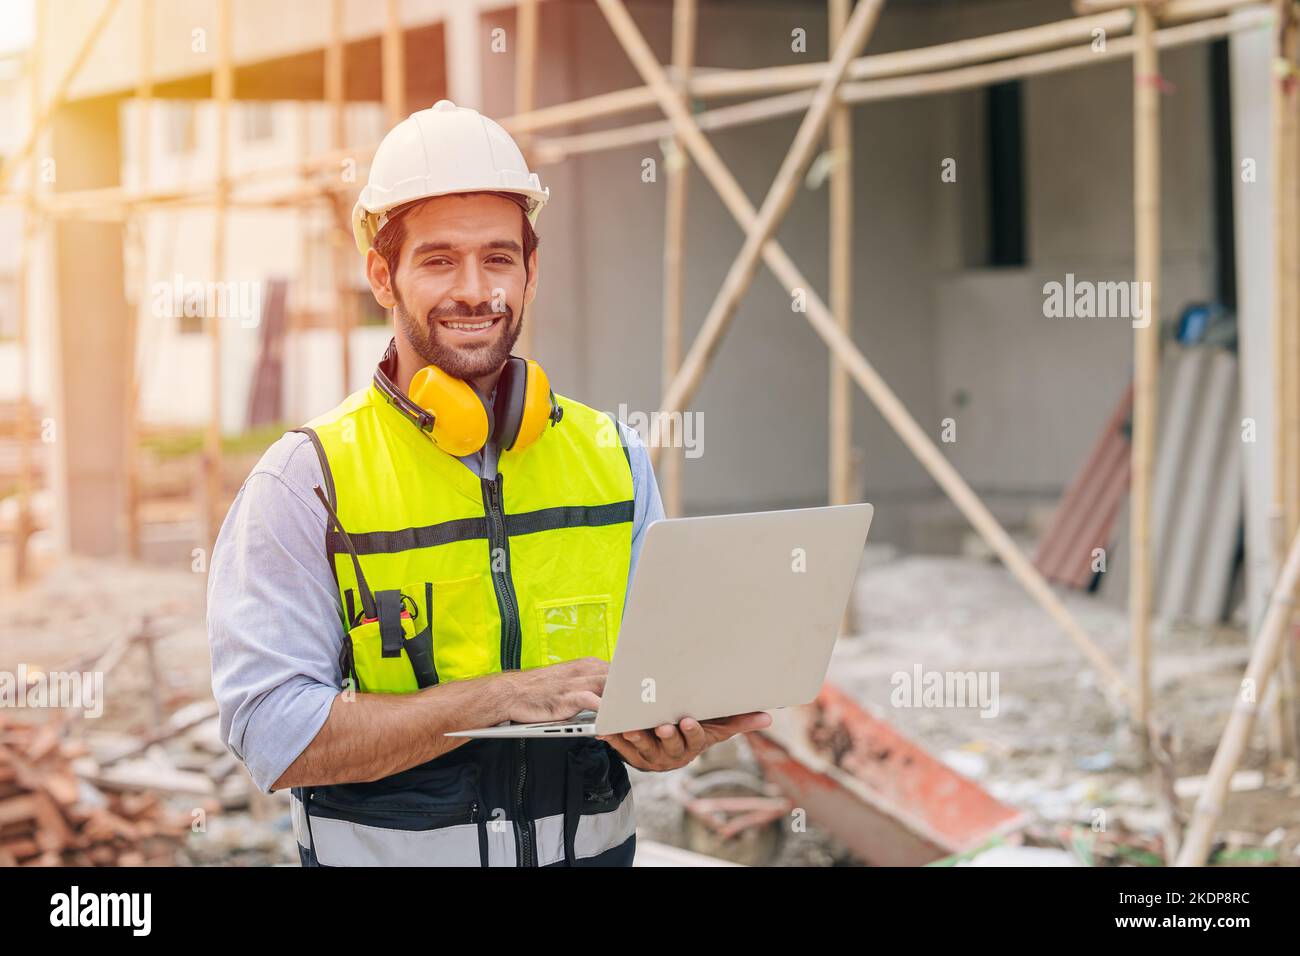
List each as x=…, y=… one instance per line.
x=183, y=444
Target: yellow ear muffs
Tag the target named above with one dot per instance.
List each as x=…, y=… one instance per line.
x=524, y=404
x=460, y=420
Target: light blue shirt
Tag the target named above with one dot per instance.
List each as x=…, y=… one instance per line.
x=274, y=617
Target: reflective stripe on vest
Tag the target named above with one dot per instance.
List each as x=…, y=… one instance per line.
x=471, y=577
x=347, y=843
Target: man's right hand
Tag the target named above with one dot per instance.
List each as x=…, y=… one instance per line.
x=556, y=692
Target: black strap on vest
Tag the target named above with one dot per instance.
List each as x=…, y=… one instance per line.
x=389, y=606
x=420, y=647
x=412, y=412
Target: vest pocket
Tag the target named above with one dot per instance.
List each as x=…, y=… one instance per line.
x=570, y=628
x=377, y=674
x=464, y=643
x=461, y=643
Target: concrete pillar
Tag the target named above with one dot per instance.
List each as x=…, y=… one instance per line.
x=1250, y=57
x=88, y=388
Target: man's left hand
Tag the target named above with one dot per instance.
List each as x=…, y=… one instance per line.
x=670, y=746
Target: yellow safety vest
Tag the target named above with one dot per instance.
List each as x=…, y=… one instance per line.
x=469, y=577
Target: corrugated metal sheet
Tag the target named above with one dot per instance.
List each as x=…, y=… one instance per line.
x=1087, y=512
x=1196, y=507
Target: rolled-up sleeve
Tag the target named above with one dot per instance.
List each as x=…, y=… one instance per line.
x=274, y=626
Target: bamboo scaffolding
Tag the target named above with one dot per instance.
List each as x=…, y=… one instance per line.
x=525, y=97
x=223, y=81
x=941, y=68
x=42, y=118
x=1146, y=346
x=143, y=99
x=557, y=149
x=775, y=205
x=897, y=65
x=122, y=204
x=819, y=316
x=943, y=56
x=678, y=163
x=1263, y=660
x=31, y=228
x=393, y=56
x=1286, y=337
x=840, y=430
x=839, y=412
x=340, y=247
x=1248, y=15
x=526, y=65
x=295, y=349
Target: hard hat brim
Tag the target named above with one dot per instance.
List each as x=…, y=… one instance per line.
x=366, y=215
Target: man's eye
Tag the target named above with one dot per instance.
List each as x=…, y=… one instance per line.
x=502, y=260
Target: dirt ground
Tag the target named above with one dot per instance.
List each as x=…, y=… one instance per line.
x=1053, y=747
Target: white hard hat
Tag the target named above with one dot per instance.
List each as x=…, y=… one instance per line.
x=436, y=152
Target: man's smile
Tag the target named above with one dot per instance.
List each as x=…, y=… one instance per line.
x=470, y=327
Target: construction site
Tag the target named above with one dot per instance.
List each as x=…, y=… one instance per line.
x=1022, y=274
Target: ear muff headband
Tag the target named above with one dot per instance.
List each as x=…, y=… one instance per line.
x=524, y=404
x=539, y=407
x=511, y=398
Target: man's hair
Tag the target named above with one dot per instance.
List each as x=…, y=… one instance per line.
x=388, y=243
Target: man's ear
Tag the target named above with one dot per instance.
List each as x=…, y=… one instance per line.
x=381, y=281
x=530, y=290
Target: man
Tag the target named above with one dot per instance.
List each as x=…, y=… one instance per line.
x=449, y=548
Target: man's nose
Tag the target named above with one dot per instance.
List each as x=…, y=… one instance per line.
x=472, y=286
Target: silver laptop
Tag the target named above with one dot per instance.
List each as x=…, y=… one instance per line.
x=727, y=614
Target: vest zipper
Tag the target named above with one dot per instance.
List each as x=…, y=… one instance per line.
x=511, y=647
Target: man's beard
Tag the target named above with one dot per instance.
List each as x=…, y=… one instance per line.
x=460, y=362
